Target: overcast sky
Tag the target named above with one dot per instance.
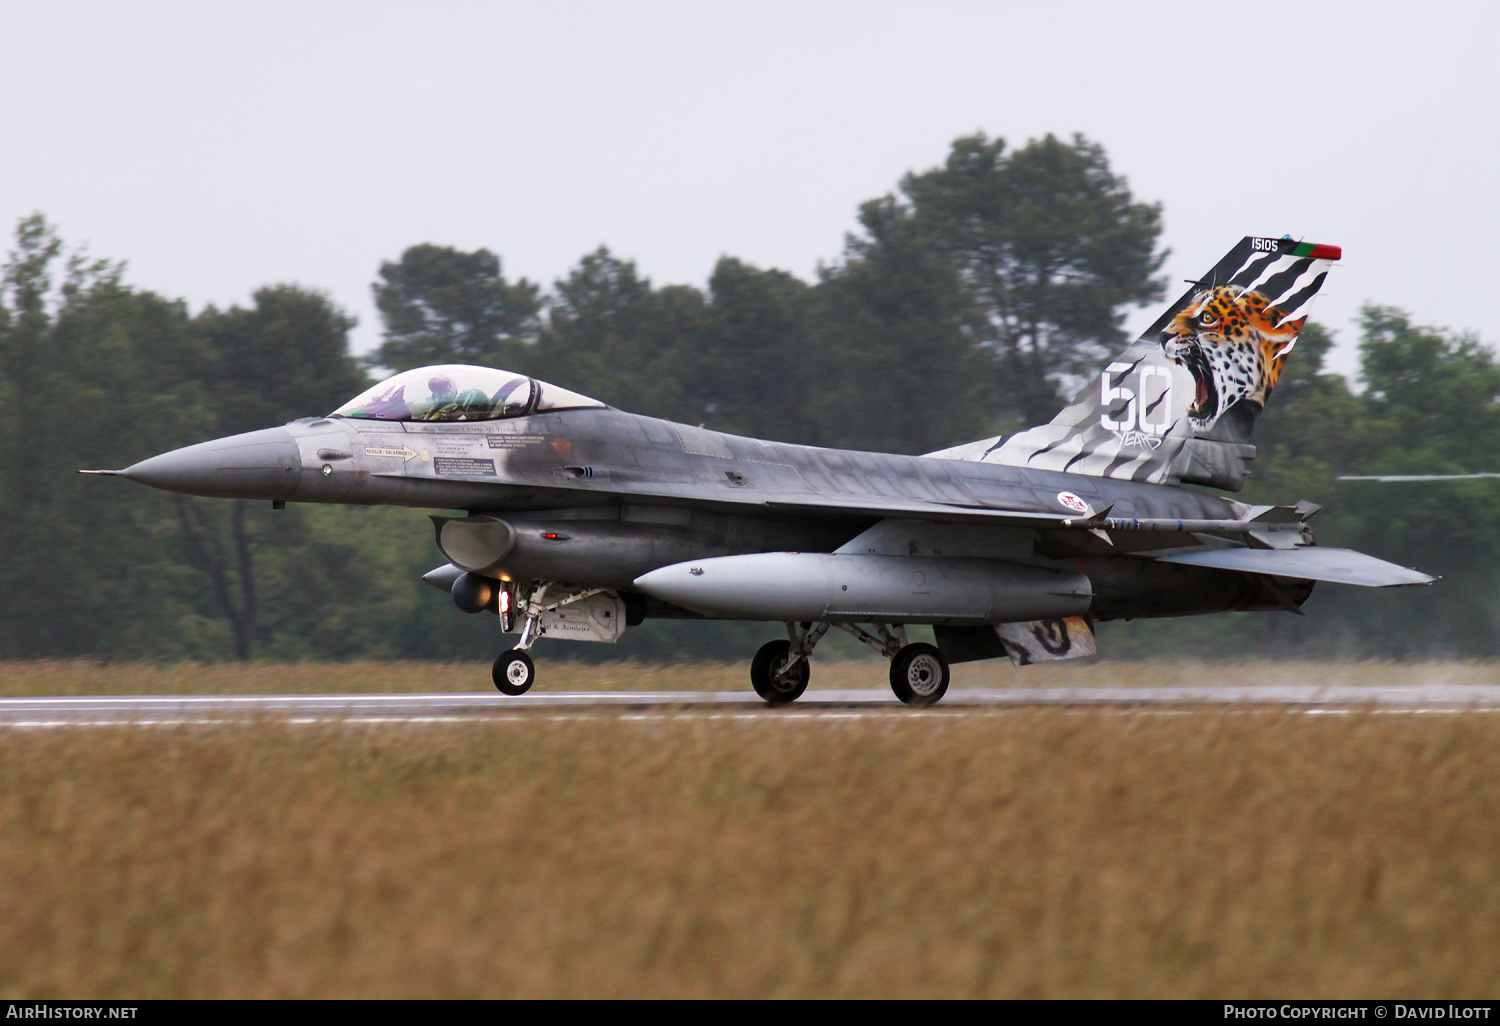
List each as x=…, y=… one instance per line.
x=221, y=146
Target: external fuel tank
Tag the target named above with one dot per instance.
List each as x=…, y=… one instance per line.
x=795, y=586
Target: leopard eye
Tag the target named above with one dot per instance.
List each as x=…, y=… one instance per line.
x=1207, y=320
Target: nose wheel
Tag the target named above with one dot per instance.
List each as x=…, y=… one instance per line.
x=514, y=672
x=919, y=674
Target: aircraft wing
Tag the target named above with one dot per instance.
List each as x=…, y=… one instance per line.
x=1310, y=563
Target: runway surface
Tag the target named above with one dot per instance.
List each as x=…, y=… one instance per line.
x=181, y=709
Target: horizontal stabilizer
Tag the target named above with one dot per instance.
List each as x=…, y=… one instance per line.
x=1310, y=563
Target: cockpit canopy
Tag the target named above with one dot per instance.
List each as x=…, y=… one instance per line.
x=455, y=391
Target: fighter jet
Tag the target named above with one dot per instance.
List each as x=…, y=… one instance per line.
x=582, y=521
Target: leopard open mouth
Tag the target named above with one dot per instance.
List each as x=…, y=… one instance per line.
x=1205, y=405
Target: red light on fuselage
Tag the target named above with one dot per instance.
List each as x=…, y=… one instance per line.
x=504, y=600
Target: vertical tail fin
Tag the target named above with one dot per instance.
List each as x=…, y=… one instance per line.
x=1180, y=403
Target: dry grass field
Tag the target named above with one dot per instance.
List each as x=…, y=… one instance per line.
x=1037, y=852
x=87, y=677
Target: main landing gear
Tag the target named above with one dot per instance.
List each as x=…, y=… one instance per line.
x=780, y=670
x=919, y=674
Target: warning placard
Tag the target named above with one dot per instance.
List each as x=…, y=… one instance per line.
x=460, y=465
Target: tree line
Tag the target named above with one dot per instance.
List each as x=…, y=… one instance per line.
x=968, y=302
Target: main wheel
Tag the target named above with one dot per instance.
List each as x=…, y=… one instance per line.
x=514, y=672
x=919, y=674
x=773, y=655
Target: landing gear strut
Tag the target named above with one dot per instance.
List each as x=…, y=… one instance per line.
x=780, y=670
x=514, y=672
x=774, y=675
x=919, y=673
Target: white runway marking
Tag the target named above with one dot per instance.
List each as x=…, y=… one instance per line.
x=171, y=710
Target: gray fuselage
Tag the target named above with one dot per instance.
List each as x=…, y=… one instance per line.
x=621, y=494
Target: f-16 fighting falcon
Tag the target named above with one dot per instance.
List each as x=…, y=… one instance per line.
x=583, y=520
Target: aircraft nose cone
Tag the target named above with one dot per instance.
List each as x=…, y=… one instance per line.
x=255, y=465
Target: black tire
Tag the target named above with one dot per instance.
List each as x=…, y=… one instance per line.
x=919, y=674
x=514, y=672
x=772, y=656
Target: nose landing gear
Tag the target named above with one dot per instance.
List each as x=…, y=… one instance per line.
x=514, y=672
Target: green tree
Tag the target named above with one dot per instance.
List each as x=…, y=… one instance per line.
x=286, y=356
x=1312, y=429
x=92, y=374
x=610, y=335
x=1049, y=247
x=892, y=365
x=755, y=370
x=442, y=305
x=1432, y=406
x=737, y=359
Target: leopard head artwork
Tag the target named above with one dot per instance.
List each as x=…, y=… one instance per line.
x=1234, y=344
